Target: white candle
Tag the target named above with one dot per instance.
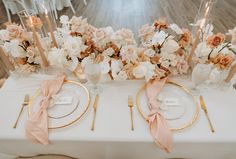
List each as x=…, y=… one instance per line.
x=6, y=60
x=50, y=30
x=38, y=44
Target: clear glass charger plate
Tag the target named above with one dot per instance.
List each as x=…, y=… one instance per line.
x=61, y=116
x=179, y=117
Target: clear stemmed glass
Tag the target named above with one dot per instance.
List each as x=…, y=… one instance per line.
x=93, y=73
x=200, y=74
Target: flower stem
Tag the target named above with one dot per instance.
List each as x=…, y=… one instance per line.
x=209, y=56
x=224, y=47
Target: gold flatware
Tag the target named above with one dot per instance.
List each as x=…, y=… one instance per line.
x=203, y=106
x=25, y=103
x=130, y=105
x=95, y=111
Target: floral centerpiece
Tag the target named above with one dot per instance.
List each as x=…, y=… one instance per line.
x=215, y=54
x=161, y=52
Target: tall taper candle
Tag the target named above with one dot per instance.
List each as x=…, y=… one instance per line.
x=51, y=31
x=38, y=44
x=6, y=60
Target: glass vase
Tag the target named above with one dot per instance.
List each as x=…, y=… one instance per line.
x=45, y=10
x=203, y=17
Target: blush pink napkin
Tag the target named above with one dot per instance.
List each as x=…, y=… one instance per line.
x=159, y=127
x=37, y=126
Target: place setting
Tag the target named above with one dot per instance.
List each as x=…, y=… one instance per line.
x=163, y=74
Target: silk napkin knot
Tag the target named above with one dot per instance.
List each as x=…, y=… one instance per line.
x=159, y=126
x=36, y=127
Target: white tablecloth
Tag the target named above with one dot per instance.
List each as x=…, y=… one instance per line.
x=15, y=7
x=113, y=138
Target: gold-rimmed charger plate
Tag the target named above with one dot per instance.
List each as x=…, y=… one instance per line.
x=184, y=125
x=84, y=102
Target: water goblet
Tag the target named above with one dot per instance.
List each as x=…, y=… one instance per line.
x=93, y=73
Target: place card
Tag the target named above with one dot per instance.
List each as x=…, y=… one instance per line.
x=62, y=100
x=171, y=102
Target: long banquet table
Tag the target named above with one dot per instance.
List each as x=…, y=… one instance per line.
x=112, y=138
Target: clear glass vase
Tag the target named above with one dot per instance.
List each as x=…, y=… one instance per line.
x=24, y=19
x=204, y=16
x=45, y=11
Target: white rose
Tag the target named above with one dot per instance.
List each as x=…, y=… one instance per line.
x=108, y=52
x=56, y=57
x=4, y=35
x=102, y=36
x=170, y=46
x=86, y=61
x=129, y=53
x=176, y=29
x=14, y=49
x=139, y=71
x=159, y=37
x=149, y=52
x=74, y=46
x=202, y=50
x=145, y=69
x=124, y=37
x=105, y=66
x=168, y=60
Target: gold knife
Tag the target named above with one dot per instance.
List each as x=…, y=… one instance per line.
x=203, y=106
x=95, y=111
x=26, y=102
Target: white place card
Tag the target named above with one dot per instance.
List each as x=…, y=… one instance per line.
x=63, y=100
x=171, y=102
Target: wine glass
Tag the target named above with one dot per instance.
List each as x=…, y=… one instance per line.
x=200, y=74
x=93, y=73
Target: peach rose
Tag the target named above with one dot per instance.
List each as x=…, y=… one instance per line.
x=185, y=38
x=129, y=54
x=88, y=32
x=15, y=31
x=100, y=34
x=78, y=24
x=225, y=61
x=160, y=24
x=34, y=20
x=182, y=67
x=126, y=35
x=215, y=40
x=146, y=32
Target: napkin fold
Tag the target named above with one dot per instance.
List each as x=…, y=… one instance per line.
x=36, y=127
x=159, y=127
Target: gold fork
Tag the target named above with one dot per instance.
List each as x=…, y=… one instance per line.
x=25, y=103
x=130, y=105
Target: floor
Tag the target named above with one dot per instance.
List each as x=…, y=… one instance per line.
x=135, y=13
